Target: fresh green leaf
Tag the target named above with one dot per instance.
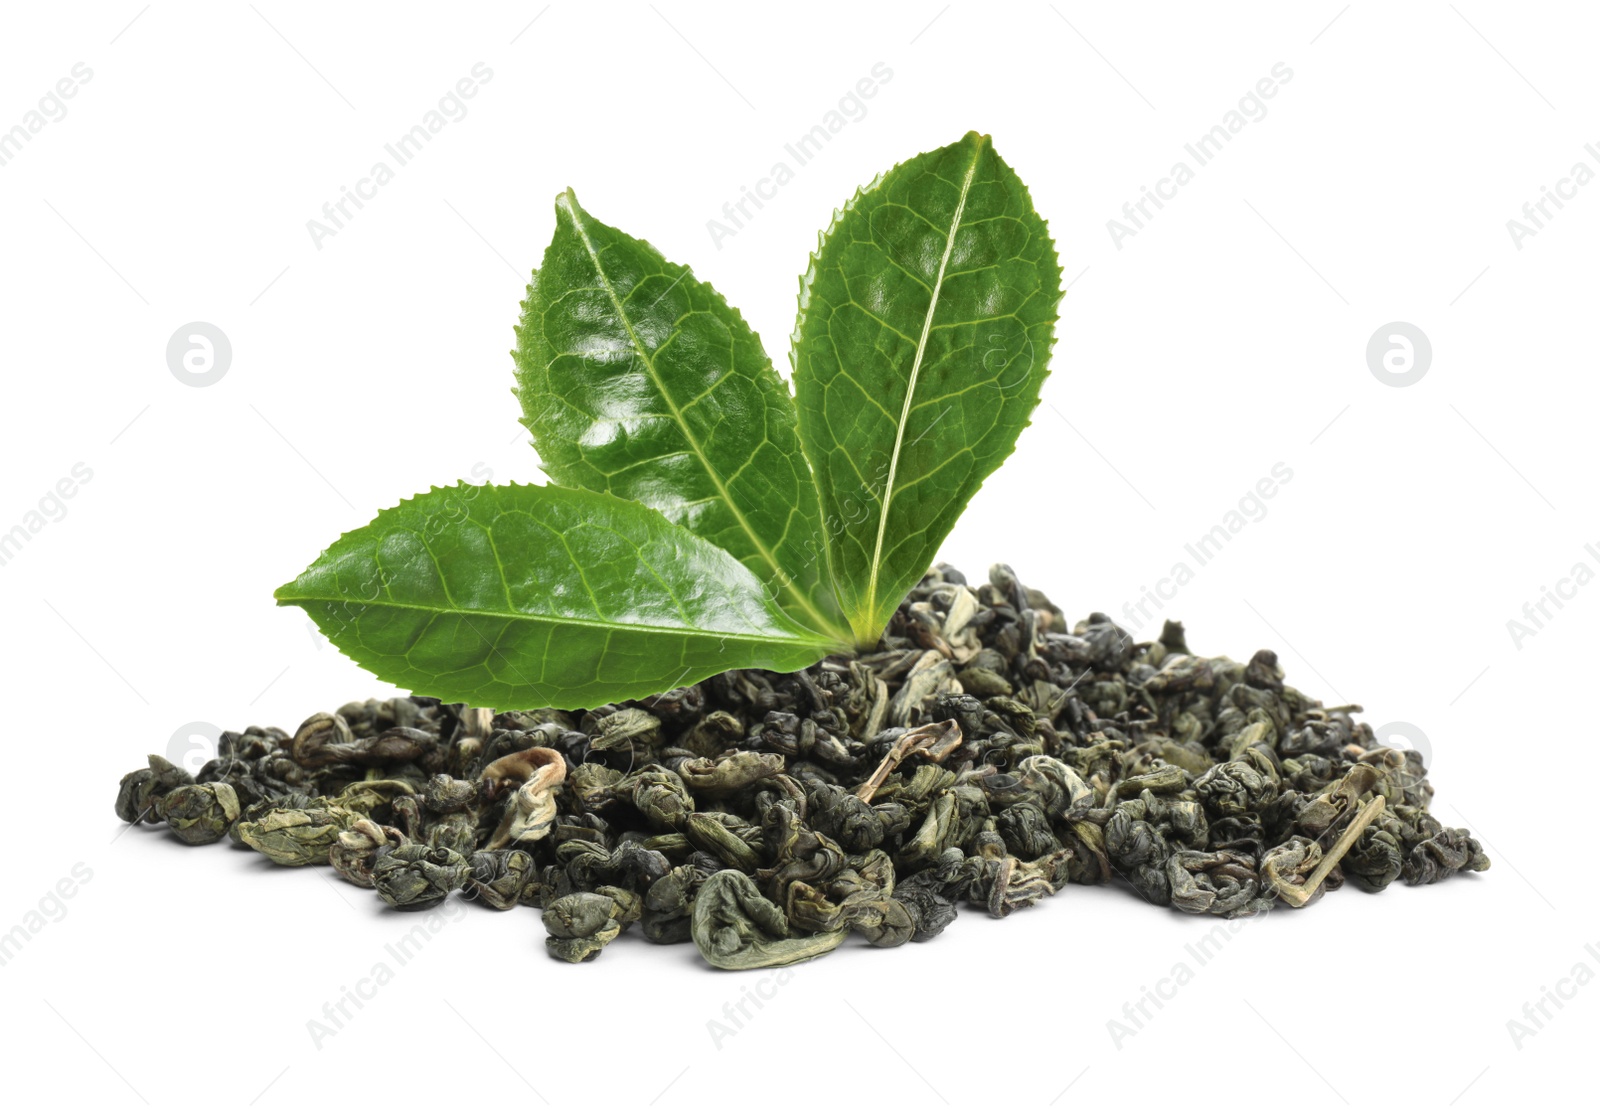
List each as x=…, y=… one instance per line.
x=926, y=322
x=526, y=596
x=638, y=380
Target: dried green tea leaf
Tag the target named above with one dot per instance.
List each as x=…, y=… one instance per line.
x=582, y=924
x=926, y=322
x=200, y=814
x=736, y=928
x=526, y=596
x=417, y=877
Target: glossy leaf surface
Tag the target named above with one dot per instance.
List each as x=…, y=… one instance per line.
x=925, y=327
x=638, y=380
x=528, y=596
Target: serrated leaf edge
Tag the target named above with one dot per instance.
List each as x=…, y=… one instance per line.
x=567, y=201
x=803, y=299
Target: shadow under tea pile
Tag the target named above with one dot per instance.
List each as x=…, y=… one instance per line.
x=985, y=755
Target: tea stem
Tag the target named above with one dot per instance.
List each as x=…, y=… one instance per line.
x=1299, y=895
x=934, y=740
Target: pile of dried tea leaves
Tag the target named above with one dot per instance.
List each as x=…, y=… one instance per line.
x=986, y=754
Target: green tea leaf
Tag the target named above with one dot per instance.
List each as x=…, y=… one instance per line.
x=926, y=322
x=526, y=596
x=638, y=380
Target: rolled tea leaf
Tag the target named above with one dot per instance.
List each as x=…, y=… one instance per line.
x=358, y=847
x=499, y=877
x=581, y=924
x=296, y=837
x=140, y=793
x=926, y=322
x=417, y=877
x=527, y=596
x=737, y=929
x=531, y=809
x=202, y=813
x=638, y=380
x=667, y=914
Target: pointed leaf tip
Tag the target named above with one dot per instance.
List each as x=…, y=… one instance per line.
x=695, y=423
x=965, y=281
x=611, y=601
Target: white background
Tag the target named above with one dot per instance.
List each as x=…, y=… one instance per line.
x=1227, y=335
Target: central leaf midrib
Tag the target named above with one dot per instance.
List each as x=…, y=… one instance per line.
x=683, y=425
x=911, y=386
x=582, y=622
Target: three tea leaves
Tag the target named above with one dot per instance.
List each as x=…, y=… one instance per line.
x=702, y=519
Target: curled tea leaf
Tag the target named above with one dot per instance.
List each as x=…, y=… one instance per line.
x=717, y=778
x=417, y=877
x=663, y=797
x=532, y=809
x=499, y=878
x=357, y=849
x=200, y=814
x=669, y=904
x=737, y=929
x=140, y=791
x=580, y=925
x=296, y=837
